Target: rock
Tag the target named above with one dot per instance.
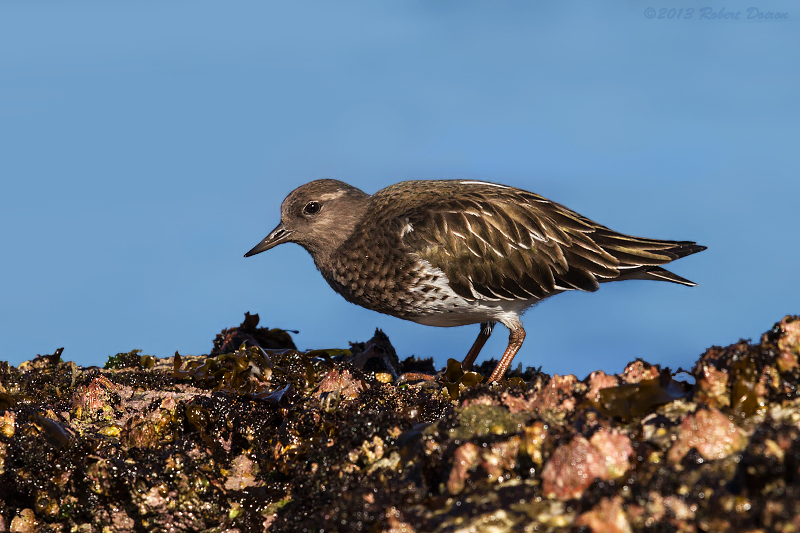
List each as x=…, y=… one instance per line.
x=711, y=433
x=263, y=437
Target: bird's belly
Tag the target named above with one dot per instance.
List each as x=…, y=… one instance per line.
x=445, y=314
x=437, y=304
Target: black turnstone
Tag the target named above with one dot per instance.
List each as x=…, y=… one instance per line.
x=457, y=252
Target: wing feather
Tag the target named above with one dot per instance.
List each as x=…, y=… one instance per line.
x=499, y=243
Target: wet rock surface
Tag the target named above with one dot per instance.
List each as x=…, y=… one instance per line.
x=263, y=437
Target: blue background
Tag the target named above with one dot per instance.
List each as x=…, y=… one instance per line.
x=145, y=146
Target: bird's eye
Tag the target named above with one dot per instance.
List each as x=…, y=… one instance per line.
x=312, y=208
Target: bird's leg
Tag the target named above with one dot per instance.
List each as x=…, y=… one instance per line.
x=483, y=336
x=515, y=338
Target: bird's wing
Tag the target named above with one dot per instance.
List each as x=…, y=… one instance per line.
x=500, y=243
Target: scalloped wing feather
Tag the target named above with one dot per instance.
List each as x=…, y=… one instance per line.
x=501, y=243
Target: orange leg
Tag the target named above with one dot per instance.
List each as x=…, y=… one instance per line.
x=483, y=336
x=515, y=338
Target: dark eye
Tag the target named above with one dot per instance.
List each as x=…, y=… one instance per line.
x=311, y=208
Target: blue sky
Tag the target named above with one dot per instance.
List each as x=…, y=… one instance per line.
x=146, y=146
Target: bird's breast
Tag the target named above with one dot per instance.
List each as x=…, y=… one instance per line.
x=404, y=285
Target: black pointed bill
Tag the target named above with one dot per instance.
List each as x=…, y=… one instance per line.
x=277, y=236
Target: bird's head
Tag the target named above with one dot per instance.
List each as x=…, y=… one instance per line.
x=319, y=216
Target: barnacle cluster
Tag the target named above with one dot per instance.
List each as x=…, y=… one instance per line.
x=268, y=438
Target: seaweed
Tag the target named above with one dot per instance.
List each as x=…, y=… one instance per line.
x=259, y=438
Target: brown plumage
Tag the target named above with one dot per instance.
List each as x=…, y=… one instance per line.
x=457, y=252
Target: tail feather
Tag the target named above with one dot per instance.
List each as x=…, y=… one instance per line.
x=639, y=257
x=654, y=274
x=686, y=248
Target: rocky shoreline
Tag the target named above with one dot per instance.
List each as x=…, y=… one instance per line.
x=259, y=436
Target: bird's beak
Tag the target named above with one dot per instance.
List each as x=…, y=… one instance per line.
x=277, y=236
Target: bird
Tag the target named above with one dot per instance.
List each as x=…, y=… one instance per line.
x=457, y=252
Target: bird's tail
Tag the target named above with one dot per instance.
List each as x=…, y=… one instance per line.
x=641, y=258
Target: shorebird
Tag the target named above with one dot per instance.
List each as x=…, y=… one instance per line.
x=456, y=252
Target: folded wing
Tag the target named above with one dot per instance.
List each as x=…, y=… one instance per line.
x=499, y=243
